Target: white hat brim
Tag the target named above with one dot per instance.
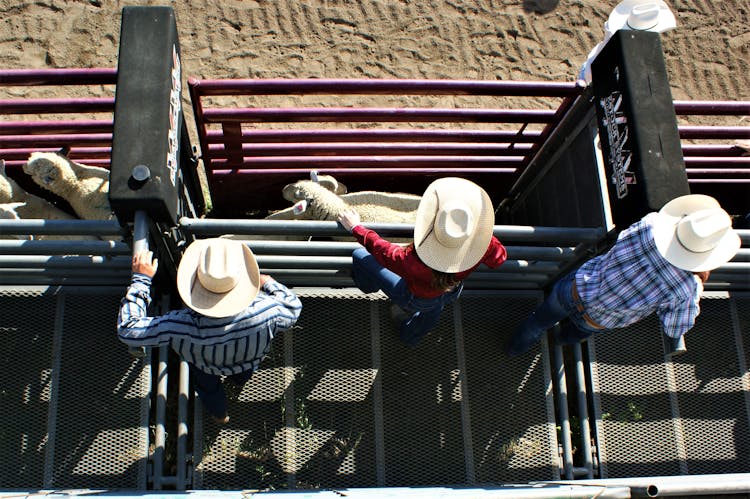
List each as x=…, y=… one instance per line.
x=618, y=18
x=210, y=304
x=429, y=249
x=664, y=233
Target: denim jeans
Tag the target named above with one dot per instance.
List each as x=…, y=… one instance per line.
x=211, y=390
x=558, y=305
x=424, y=313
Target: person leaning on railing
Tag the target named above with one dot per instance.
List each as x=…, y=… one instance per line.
x=233, y=313
x=452, y=237
x=658, y=264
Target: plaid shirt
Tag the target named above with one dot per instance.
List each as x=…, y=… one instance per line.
x=632, y=280
x=228, y=345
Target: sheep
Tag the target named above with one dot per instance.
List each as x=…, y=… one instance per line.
x=320, y=202
x=8, y=212
x=85, y=188
x=32, y=206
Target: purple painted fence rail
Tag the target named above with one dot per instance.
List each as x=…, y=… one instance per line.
x=245, y=151
x=25, y=127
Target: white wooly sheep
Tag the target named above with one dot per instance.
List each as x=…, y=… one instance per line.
x=315, y=201
x=8, y=212
x=32, y=206
x=85, y=188
x=20, y=204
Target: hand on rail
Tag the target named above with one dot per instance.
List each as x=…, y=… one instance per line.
x=349, y=219
x=144, y=263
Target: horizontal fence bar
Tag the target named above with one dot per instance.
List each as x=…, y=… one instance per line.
x=345, y=262
x=391, y=115
x=362, y=149
x=61, y=227
x=697, y=107
x=703, y=161
x=713, y=132
x=58, y=76
x=101, y=162
x=712, y=150
x=75, y=152
x=693, y=180
x=334, y=169
x=48, y=106
x=497, y=164
x=514, y=233
x=73, y=127
x=234, y=87
x=18, y=247
x=333, y=248
x=94, y=263
x=89, y=139
x=373, y=135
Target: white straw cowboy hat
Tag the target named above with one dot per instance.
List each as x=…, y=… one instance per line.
x=694, y=233
x=218, y=277
x=454, y=225
x=644, y=15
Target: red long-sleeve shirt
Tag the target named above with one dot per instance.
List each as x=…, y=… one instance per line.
x=405, y=262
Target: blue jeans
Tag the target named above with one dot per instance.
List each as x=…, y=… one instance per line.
x=423, y=313
x=558, y=305
x=211, y=390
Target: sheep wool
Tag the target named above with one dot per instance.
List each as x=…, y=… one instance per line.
x=85, y=188
x=8, y=212
x=31, y=206
x=323, y=204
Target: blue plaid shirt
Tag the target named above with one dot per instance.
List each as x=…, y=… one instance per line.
x=632, y=280
x=229, y=345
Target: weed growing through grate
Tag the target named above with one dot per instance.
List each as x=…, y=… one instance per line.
x=630, y=414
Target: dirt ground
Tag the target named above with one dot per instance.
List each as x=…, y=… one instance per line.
x=707, y=55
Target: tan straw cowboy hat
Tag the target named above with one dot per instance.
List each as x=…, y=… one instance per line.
x=218, y=277
x=454, y=225
x=694, y=233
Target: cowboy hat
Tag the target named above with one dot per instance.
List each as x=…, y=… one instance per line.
x=694, y=233
x=644, y=15
x=454, y=225
x=218, y=277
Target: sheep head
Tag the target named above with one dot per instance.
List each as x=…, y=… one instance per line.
x=48, y=169
x=298, y=190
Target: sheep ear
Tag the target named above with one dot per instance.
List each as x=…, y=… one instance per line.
x=2, y=167
x=314, y=176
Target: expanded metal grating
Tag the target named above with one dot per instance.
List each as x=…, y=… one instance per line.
x=687, y=416
x=341, y=402
x=75, y=403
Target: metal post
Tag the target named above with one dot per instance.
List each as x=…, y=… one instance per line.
x=583, y=412
x=562, y=405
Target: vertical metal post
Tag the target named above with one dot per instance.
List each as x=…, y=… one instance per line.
x=563, y=412
x=583, y=410
x=140, y=243
x=182, y=429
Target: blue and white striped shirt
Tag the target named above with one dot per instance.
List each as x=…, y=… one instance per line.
x=228, y=345
x=632, y=280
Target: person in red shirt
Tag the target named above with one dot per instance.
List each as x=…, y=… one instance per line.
x=452, y=237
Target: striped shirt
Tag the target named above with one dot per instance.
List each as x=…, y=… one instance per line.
x=632, y=280
x=222, y=346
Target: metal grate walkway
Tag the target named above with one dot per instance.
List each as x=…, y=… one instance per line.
x=74, y=404
x=688, y=416
x=341, y=402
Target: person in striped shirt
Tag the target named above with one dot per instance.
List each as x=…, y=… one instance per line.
x=658, y=264
x=232, y=314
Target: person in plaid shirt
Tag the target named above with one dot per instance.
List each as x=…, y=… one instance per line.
x=658, y=264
